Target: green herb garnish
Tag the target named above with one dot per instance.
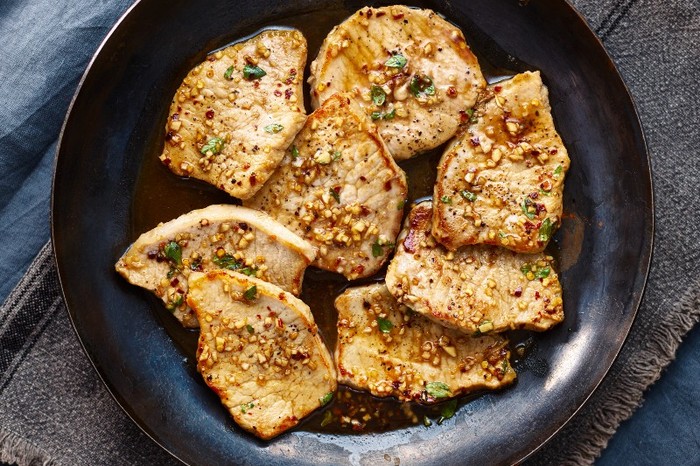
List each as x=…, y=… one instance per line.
x=252, y=72
x=335, y=195
x=421, y=86
x=327, y=418
x=249, y=271
x=228, y=73
x=504, y=366
x=472, y=116
x=446, y=199
x=557, y=171
x=438, y=389
x=274, y=128
x=525, y=206
x=247, y=406
x=378, y=95
x=250, y=329
x=546, y=230
x=227, y=261
x=378, y=249
x=335, y=155
x=448, y=410
x=172, y=305
x=385, y=325
x=384, y=116
x=542, y=272
x=251, y=293
x=214, y=146
x=396, y=61
x=295, y=153
x=325, y=399
x=173, y=252
x=468, y=195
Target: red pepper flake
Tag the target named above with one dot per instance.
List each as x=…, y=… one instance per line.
x=533, y=195
x=253, y=180
x=287, y=94
x=176, y=116
x=463, y=117
x=277, y=93
x=518, y=292
x=474, y=141
x=369, y=13
x=174, y=282
x=397, y=16
x=380, y=14
x=451, y=91
x=497, y=89
x=537, y=295
x=169, y=136
x=209, y=114
x=166, y=161
x=256, y=84
x=292, y=76
x=243, y=226
x=553, y=151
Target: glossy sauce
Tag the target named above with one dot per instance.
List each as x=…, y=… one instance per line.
x=160, y=196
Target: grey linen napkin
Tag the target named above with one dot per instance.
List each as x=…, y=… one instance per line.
x=55, y=410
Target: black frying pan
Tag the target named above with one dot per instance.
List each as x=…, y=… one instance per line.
x=108, y=188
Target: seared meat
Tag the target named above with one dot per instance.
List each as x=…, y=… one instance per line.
x=386, y=348
x=237, y=112
x=476, y=288
x=339, y=189
x=260, y=351
x=219, y=236
x=411, y=70
x=502, y=181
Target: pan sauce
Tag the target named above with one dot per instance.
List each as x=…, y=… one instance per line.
x=160, y=196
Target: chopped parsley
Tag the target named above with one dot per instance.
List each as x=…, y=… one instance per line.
x=250, y=329
x=422, y=86
x=384, y=116
x=327, y=418
x=446, y=199
x=227, y=261
x=540, y=272
x=246, y=407
x=437, y=389
x=472, y=116
x=385, y=325
x=251, y=293
x=249, y=271
x=295, y=153
x=525, y=206
x=173, y=252
x=274, y=128
x=228, y=73
x=214, y=146
x=252, y=72
x=468, y=195
x=378, y=95
x=546, y=230
x=378, y=249
x=448, y=410
x=557, y=171
x=325, y=399
x=334, y=194
x=174, y=304
x=396, y=61
x=335, y=155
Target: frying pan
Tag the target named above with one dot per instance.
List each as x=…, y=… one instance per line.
x=107, y=189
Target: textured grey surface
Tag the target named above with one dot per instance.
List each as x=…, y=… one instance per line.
x=53, y=406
